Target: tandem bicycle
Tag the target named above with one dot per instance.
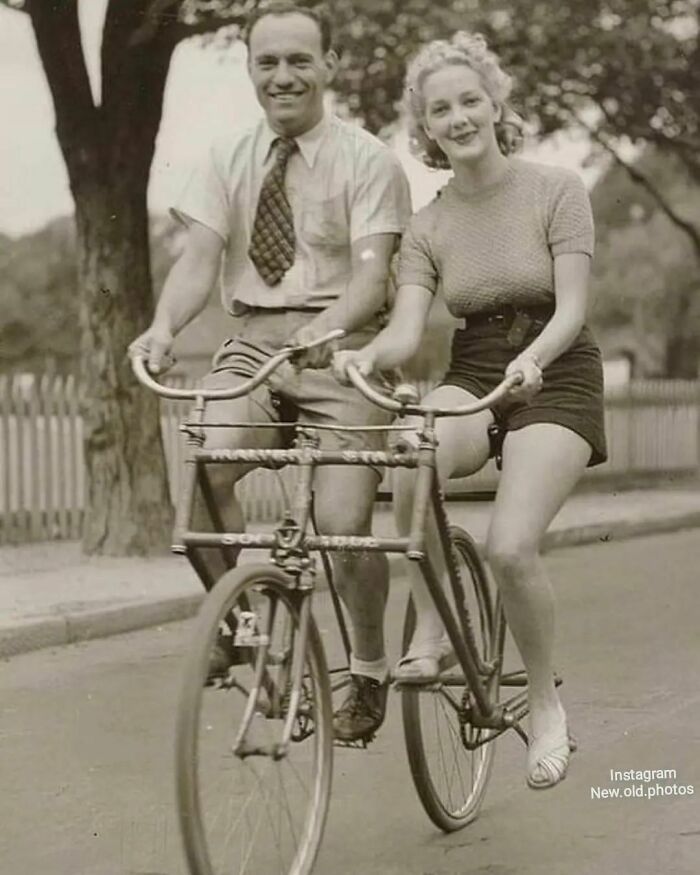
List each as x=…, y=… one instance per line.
x=254, y=751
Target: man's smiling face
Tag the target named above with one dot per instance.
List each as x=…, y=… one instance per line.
x=290, y=71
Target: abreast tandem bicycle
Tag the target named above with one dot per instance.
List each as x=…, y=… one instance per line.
x=254, y=752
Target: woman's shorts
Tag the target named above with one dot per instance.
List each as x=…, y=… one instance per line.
x=572, y=391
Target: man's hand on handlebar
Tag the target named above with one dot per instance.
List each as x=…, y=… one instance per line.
x=357, y=357
x=317, y=356
x=154, y=346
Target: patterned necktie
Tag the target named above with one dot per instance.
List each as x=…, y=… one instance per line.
x=272, y=242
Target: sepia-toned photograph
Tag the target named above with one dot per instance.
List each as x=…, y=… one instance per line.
x=349, y=437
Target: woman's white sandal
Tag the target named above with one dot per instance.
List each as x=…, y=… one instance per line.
x=550, y=769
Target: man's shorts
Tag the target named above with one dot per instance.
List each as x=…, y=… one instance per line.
x=311, y=396
x=572, y=391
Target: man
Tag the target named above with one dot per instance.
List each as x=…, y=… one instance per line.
x=301, y=213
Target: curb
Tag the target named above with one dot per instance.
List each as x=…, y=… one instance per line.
x=620, y=530
x=26, y=635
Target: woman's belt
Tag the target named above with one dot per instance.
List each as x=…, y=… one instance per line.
x=516, y=320
x=506, y=315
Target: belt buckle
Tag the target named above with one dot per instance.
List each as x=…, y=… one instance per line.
x=518, y=328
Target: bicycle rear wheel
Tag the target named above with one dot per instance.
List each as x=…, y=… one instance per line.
x=244, y=808
x=451, y=778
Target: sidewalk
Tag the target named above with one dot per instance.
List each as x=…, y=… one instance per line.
x=50, y=594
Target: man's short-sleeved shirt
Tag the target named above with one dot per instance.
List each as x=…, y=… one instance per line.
x=343, y=184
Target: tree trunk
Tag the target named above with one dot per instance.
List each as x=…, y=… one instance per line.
x=683, y=344
x=682, y=357
x=108, y=150
x=127, y=505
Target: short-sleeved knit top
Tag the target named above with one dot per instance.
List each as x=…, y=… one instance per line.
x=497, y=246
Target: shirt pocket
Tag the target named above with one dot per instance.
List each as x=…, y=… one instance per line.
x=325, y=223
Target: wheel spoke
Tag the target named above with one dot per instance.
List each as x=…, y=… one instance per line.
x=449, y=777
x=257, y=813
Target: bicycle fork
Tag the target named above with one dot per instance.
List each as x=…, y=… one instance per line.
x=287, y=691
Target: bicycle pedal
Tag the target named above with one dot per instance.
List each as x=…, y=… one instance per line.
x=430, y=686
x=356, y=743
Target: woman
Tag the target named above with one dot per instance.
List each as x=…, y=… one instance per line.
x=508, y=244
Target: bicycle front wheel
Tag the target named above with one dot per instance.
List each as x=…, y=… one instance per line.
x=246, y=805
x=449, y=763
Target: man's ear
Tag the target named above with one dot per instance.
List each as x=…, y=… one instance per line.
x=331, y=62
x=498, y=111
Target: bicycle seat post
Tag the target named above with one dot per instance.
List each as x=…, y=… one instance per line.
x=308, y=442
x=424, y=484
x=291, y=552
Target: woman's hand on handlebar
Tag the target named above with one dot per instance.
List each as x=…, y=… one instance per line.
x=154, y=346
x=527, y=365
x=363, y=361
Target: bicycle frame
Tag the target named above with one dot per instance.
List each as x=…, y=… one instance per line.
x=291, y=544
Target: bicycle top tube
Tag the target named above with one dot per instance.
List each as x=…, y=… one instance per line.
x=138, y=364
x=410, y=407
x=307, y=426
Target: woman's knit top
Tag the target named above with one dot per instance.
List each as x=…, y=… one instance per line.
x=497, y=246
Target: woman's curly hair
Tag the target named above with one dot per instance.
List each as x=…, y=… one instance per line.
x=470, y=50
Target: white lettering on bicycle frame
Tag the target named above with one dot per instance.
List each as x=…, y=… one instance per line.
x=341, y=542
x=244, y=538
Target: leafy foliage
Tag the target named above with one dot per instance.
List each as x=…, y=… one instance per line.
x=624, y=68
x=645, y=283
x=39, y=291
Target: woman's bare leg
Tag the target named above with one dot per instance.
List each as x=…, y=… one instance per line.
x=541, y=465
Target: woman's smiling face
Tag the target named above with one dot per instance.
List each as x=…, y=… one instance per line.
x=459, y=113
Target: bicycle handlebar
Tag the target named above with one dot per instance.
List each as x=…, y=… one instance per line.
x=138, y=365
x=404, y=407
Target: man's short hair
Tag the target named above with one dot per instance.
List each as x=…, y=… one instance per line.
x=289, y=7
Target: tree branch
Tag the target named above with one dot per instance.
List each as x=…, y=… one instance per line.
x=641, y=179
x=683, y=149
x=163, y=15
x=210, y=25
x=159, y=12
x=57, y=35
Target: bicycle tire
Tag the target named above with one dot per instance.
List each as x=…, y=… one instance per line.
x=448, y=807
x=199, y=726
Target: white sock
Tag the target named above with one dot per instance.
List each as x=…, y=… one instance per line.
x=377, y=669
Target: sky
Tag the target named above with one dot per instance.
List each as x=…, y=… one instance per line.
x=207, y=90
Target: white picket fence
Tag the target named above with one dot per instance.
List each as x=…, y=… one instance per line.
x=653, y=427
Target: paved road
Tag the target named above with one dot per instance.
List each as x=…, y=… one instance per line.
x=86, y=764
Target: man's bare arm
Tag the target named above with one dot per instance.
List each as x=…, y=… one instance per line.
x=185, y=293
x=364, y=296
